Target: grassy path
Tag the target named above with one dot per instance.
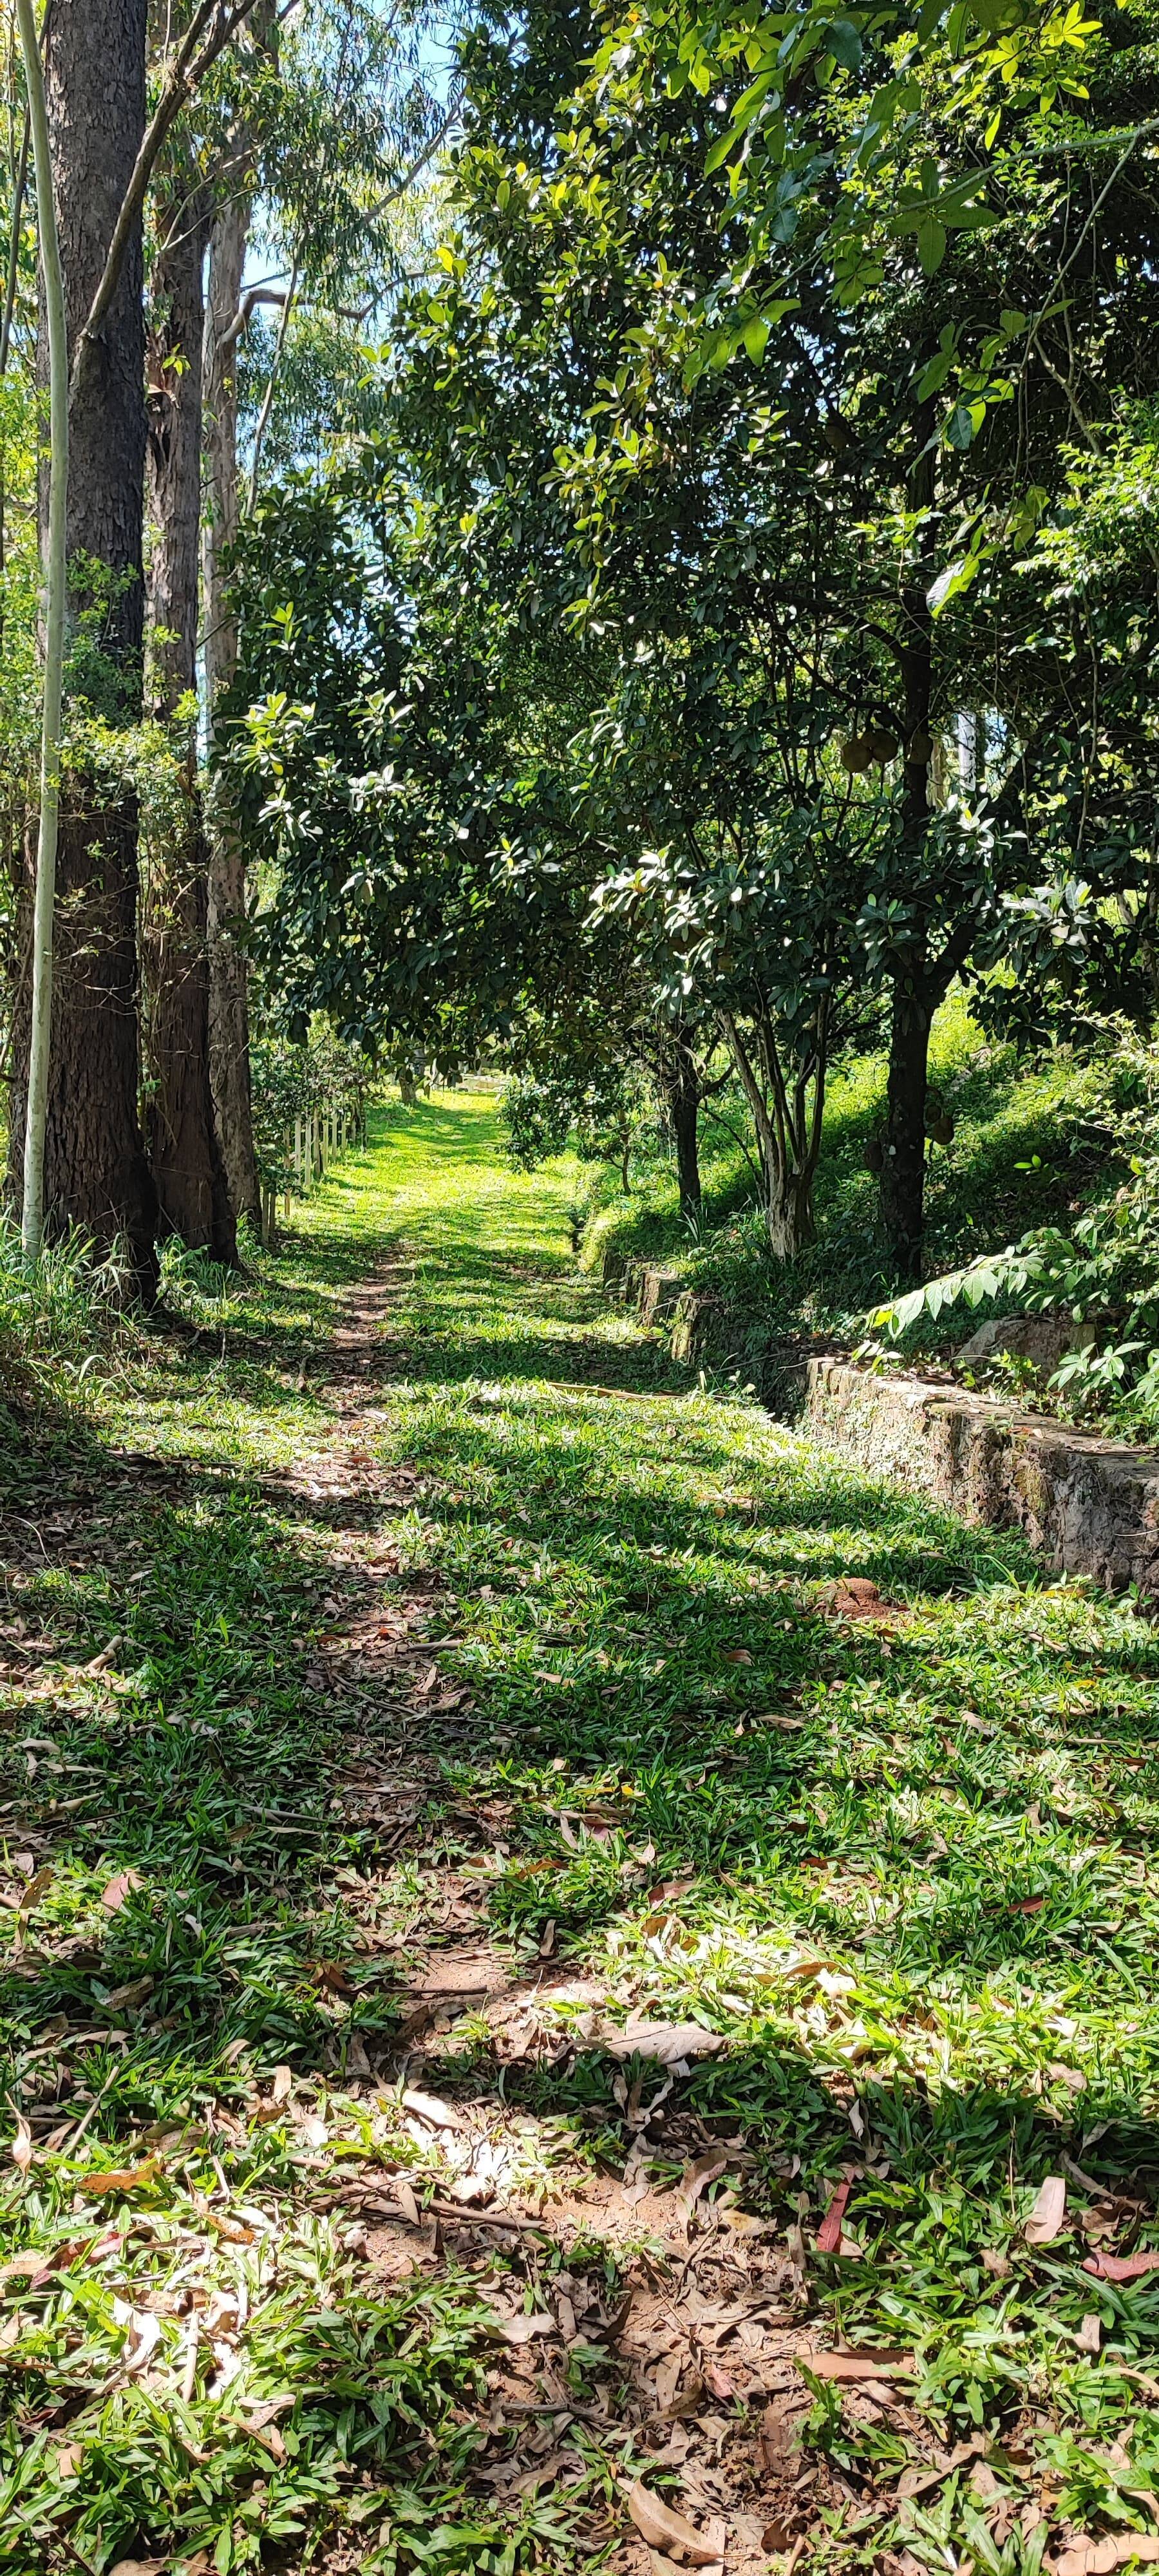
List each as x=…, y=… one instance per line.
x=504, y=1977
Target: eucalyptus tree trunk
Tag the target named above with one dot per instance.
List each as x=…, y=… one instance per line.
x=228, y=992
x=95, y=1172
x=55, y=589
x=184, y=1150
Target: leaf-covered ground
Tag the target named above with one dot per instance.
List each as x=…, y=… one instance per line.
x=563, y=1954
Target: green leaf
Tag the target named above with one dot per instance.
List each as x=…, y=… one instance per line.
x=845, y=43
x=933, y=376
x=931, y=247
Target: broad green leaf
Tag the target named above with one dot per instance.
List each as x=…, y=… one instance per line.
x=931, y=244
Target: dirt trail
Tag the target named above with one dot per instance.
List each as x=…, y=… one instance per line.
x=662, y=2329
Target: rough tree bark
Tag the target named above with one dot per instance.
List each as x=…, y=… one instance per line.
x=96, y=1174
x=184, y=1149
x=228, y=993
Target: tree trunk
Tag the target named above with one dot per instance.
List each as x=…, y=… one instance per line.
x=904, y=1168
x=682, y=1090
x=96, y=1176
x=788, y=1133
x=228, y=989
x=789, y=1213
x=188, y=1168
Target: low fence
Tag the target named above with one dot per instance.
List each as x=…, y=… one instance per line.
x=308, y=1144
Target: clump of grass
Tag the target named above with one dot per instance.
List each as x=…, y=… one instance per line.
x=61, y=1319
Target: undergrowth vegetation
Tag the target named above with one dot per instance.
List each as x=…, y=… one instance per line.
x=1038, y=1142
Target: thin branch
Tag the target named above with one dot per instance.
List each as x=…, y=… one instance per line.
x=14, y=244
x=427, y=154
x=1112, y=140
x=268, y=396
x=254, y=295
x=722, y=1121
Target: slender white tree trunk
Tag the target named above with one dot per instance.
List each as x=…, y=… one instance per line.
x=55, y=585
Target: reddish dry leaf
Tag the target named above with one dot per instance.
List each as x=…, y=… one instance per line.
x=856, y=2365
x=1048, y=2216
x=1027, y=1905
x=406, y=2201
x=330, y=1976
x=119, y=1889
x=1120, y=2267
x=666, y=2530
x=829, y=2231
x=737, y=1655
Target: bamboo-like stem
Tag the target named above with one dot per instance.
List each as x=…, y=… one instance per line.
x=55, y=587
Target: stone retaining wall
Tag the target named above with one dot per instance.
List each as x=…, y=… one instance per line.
x=1089, y=1506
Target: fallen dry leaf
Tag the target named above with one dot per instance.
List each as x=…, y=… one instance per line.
x=667, y=2042
x=778, y=2435
x=427, y=2106
x=856, y=2365
x=1048, y=2216
x=121, y=2177
x=916, y=2482
x=112, y=1898
x=1120, y=2267
x=1090, y=2557
x=666, y=2530
x=829, y=2231
x=697, y=2176
x=524, y=2329
x=406, y=2201
x=327, y=1974
x=1090, y=2334
x=21, y=2149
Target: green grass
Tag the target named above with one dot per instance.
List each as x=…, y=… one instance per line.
x=904, y=1870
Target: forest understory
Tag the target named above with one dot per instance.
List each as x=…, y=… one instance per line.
x=568, y=1960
